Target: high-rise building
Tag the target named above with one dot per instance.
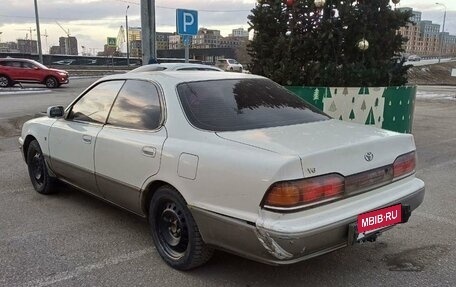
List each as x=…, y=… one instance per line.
x=232, y=42
x=425, y=39
x=9, y=47
x=239, y=32
x=206, y=38
x=56, y=50
x=162, y=40
x=68, y=45
x=134, y=38
x=175, y=42
x=416, y=15
x=27, y=46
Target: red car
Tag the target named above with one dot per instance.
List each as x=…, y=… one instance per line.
x=14, y=70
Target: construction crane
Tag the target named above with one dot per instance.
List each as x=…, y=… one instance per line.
x=46, y=36
x=67, y=39
x=27, y=34
x=120, y=39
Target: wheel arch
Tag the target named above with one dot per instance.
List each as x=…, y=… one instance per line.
x=27, y=141
x=149, y=191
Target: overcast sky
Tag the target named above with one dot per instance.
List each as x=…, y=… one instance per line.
x=91, y=21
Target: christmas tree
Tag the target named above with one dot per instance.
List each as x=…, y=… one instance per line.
x=328, y=43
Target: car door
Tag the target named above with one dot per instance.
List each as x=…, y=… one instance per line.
x=30, y=72
x=15, y=70
x=128, y=149
x=72, y=139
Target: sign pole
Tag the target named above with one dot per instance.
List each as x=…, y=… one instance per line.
x=37, y=18
x=187, y=39
x=187, y=53
x=148, y=30
x=187, y=25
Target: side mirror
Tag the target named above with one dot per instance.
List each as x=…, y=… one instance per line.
x=55, y=112
x=36, y=68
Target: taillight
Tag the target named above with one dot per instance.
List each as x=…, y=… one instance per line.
x=404, y=165
x=305, y=192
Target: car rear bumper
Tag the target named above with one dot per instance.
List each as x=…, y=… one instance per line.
x=282, y=245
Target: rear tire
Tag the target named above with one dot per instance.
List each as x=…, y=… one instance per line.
x=51, y=82
x=38, y=172
x=5, y=81
x=174, y=231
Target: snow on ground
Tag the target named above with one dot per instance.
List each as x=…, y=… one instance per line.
x=14, y=91
x=426, y=95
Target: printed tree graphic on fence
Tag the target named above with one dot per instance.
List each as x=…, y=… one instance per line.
x=370, y=118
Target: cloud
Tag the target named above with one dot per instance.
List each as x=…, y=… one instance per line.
x=94, y=20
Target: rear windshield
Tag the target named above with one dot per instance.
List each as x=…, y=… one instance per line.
x=243, y=104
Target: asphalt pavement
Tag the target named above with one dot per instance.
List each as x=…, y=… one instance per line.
x=72, y=239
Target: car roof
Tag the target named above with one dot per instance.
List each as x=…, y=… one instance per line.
x=15, y=59
x=177, y=77
x=172, y=66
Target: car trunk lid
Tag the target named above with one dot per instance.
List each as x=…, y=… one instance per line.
x=329, y=146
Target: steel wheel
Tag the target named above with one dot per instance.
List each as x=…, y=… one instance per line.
x=172, y=229
x=38, y=172
x=37, y=167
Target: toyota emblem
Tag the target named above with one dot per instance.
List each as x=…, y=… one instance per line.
x=369, y=156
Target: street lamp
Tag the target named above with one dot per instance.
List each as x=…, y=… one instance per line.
x=443, y=30
x=37, y=18
x=126, y=31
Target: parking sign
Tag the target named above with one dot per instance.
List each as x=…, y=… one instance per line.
x=187, y=22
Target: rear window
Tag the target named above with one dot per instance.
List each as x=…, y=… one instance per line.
x=243, y=104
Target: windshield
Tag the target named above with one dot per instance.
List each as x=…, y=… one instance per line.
x=232, y=105
x=231, y=61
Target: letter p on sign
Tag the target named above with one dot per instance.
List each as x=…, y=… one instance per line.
x=187, y=22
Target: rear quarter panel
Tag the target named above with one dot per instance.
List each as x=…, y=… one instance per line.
x=231, y=178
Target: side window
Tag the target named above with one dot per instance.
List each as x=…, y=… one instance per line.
x=137, y=106
x=27, y=65
x=14, y=64
x=94, y=106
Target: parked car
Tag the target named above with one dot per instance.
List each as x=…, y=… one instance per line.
x=226, y=160
x=413, y=58
x=175, y=67
x=229, y=65
x=14, y=71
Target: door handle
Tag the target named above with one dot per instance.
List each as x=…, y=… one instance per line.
x=87, y=139
x=149, y=151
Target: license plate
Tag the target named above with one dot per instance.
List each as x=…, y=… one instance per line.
x=378, y=219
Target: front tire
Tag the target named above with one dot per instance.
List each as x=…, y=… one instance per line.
x=174, y=231
x=51, y=82
x=38, y=172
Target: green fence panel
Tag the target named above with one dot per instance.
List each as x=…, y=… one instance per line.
x=390, y=108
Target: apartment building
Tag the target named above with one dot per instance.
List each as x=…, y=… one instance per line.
x=424, y=37
x=206, y=38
